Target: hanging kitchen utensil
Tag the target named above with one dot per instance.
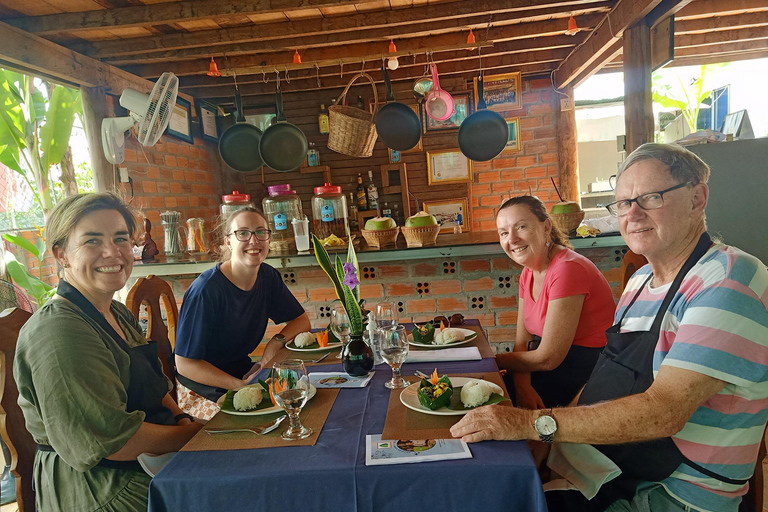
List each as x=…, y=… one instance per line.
x=283, y=145
x=422, y=86
x=239, y=144
x=397, y=124
x=438, y=104
x=484, y=134
x=351, y=130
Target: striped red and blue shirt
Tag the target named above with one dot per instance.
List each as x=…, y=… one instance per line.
x=716, y=325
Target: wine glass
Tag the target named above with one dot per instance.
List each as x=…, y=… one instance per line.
x=386, y=315
x=340, y=325
x=394, y=350
x=290, y=387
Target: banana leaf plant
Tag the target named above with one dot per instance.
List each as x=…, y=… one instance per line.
x=34, y=286
x=671, y=89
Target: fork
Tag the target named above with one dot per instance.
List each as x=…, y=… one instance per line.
x=264, y=429
x=318, y=359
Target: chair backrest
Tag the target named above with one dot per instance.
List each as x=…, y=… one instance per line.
x=151, y=291
x=629, y=265
x=20, y=443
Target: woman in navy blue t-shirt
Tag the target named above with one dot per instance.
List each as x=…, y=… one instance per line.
x=224, y=317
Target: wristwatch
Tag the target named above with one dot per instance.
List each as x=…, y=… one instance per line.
x=281, y=338
x=545, y=426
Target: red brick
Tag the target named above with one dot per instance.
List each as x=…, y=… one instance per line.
x=540, y=83
x=166, y=174
x=527, y=135
x=504, y=264
x=130, y=155
x=190, y=175
x=548, y=158
x=475, y=266
x=542, y=108
x=445, y=286
x=503, y=301
x=149, y=187
x=484, y=283
x=425, y=269
x=371, y=291
x=535, y=172
x=501, y=335
x=451, y=305
x=486, y=320
x=553, y=170
x=322, y=294
x=505, y=188
x=421, y=306
x=504, y=162
x=487, y=225
x=530, y=122
x=487, y=177
x=194, y=201
x=481, y=166
x=548, y=120
x=181, y=201
x=387, y=271
x=525, y=161
x=475, y=201
x=178, y=175
x=400, y=289
x=479, y=190
x=506, y=318
x=544, y=133
x=170, y=202
x=181, y=161
x=163, y=187
x=546, y=96
x=170, y=161
x=476, y=225
x=513, y=174
x=176, y=188
x=483, y=213
x=172, y=148
x=531, y=97
x=492, y=200
x=153, y=173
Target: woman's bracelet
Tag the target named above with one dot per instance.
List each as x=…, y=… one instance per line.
x=183, y=415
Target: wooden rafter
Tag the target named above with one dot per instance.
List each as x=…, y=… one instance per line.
x=707, y=25
x=708, y=8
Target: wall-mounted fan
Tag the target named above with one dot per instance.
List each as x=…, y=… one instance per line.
x=152, y=112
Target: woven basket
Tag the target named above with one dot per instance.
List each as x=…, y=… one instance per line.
x=380, y=237
x=421, y=236
x=567, y=222
x=351, y=131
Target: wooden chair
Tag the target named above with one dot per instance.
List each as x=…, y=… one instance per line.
x=12, y=427
x=629, y=265
x=152, y=291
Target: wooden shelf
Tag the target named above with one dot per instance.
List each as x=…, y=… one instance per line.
x=325, y=169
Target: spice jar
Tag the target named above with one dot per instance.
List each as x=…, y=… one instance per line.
x=233, y=202
x=280, y=208
x=329, y=212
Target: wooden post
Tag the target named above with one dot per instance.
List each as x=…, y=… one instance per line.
x=567, y=148
x=94, y=110
x=638, y=100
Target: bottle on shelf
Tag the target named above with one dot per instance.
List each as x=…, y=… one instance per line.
x=386, y=211
x=362, y=194
x=373, y=193
x=313, y=156
x=360, y=103
x=457, y=227
x=322, y=120
x=352, y=212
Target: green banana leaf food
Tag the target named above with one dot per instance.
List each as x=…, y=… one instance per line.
x=435, y=396
x=424, y=333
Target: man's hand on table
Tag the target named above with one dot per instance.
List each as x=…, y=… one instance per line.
x=495, y=422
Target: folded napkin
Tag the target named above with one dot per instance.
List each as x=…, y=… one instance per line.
x=152, y=464
x=446, y=354
x=581, y=466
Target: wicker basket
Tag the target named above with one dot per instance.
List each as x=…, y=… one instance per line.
x=351, y=131
x=380, y=237
x=421, y=236
x=567, y=222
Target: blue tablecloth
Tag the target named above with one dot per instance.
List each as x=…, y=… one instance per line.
x=332, y=475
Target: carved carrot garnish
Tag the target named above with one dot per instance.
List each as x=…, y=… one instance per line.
x=442, y=326
x=322, y=338
x=434, y=378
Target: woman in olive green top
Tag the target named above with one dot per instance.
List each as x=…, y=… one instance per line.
x=90, y=386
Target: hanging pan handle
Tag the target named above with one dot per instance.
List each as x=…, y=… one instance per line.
x=388, y=83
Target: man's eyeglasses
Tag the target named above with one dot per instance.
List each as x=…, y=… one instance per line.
x=243, y=235
x=649, y=201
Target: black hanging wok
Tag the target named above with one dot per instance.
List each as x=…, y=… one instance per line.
x=483, y=135
x=239, y=144
x=283, y=145
x=397, y=124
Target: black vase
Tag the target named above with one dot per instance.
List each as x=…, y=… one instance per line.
x=357, y=358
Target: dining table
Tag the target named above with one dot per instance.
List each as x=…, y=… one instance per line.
x=332, y=474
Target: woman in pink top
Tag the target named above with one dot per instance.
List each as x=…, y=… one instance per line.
x=564, y=307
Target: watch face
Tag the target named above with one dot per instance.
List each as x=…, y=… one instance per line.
x=545, y=425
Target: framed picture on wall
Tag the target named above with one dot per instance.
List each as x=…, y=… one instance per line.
x=448, y=166
x=415, y=108
x=180, y=125
x=513, y=139
x=447, y=212
x=501, y=92
x=462, y=109
x=210, y=131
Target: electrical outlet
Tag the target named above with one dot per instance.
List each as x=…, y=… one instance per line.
x=566, y=104
x=123, y=174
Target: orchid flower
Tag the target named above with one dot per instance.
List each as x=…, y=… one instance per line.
x=350, y=275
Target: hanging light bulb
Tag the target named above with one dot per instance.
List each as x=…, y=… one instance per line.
x=392, y=62
x=471, y=39
x=573, y=28
x=296, y=58
x=213, y=69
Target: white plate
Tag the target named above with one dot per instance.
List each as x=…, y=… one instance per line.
x=410, y=398
x=470, y=336
x=268, y=410
x=331, y=346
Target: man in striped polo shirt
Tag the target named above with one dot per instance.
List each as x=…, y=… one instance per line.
x=679, y=398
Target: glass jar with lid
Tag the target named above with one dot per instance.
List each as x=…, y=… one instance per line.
x=233, y=202
x=280, y=207
x=329, y=212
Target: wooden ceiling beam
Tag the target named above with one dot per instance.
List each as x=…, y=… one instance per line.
x=720, y=36
x=163, y=14
x=491, y=65
x=393, y=21
x=593, y=54
x=708, y=8
x=734, y=22
x=610, y=53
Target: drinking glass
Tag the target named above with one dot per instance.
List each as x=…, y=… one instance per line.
x=290, y=387
x=394, y=350
x=340, y=325
x=386, y=315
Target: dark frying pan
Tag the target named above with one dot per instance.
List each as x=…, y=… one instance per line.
x=283, y=145
x=483, y=135
x=239, y=144
x=397, y=124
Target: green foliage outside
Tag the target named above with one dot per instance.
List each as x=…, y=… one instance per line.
x=671, y=89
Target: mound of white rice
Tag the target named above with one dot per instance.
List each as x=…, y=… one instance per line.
x=305, y=339
x=247, y=398
x=475, y=393
x=449, y=335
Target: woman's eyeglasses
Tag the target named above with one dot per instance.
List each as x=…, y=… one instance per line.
x=243, y=235
x=649, y=201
